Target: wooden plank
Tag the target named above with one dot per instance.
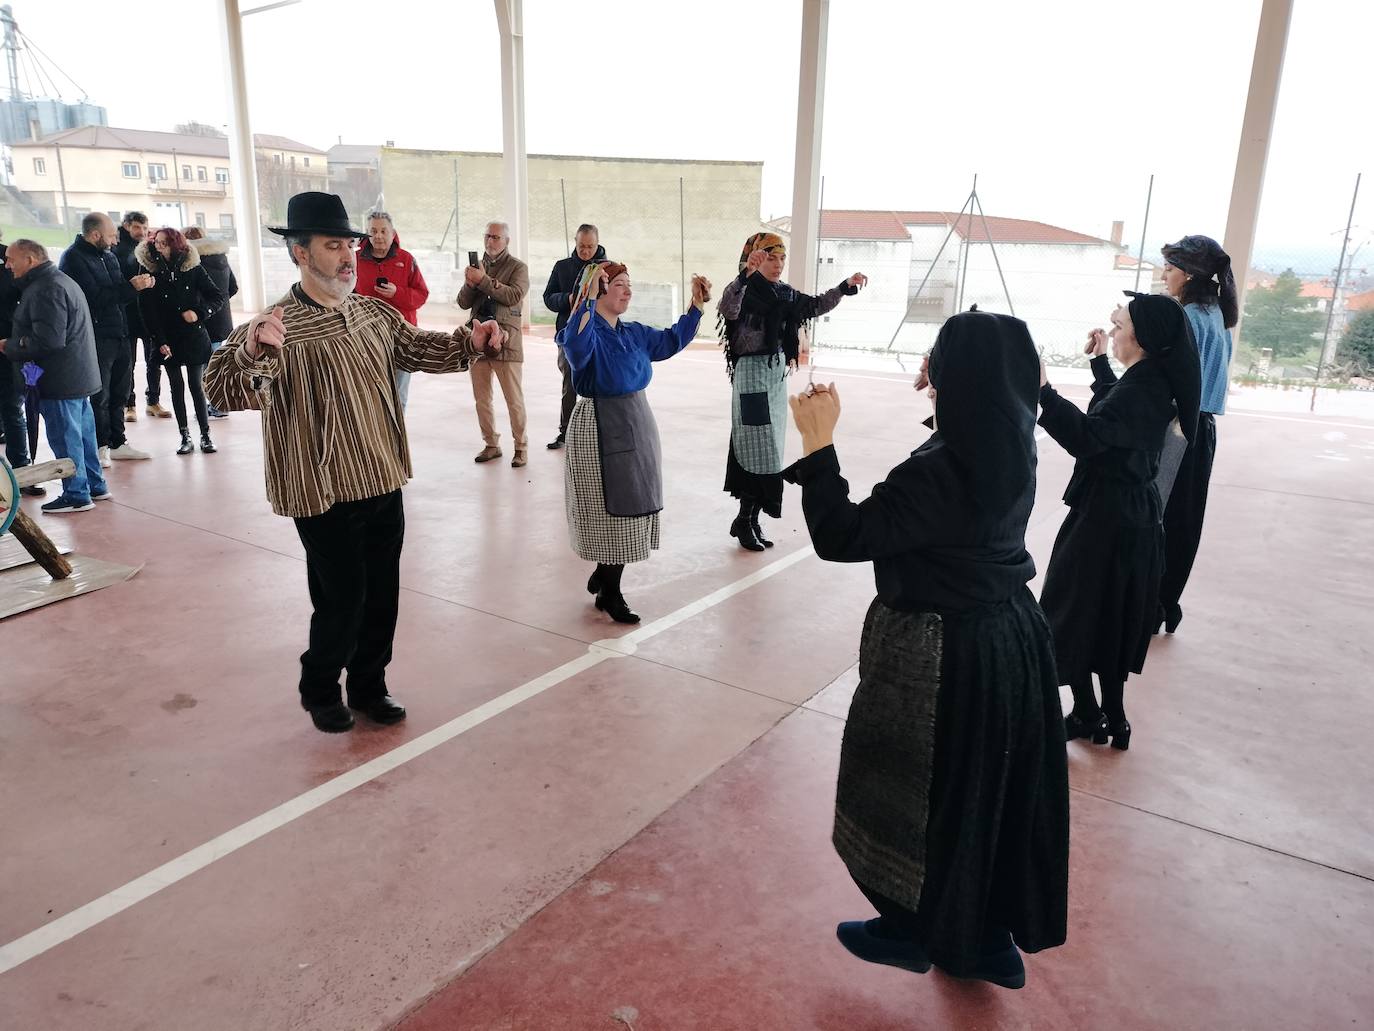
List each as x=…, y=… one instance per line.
x=43, y=472
x=37, y=544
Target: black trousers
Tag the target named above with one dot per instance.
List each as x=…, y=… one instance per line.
x=353, y=564
x=1184, y=514
x=569, y=394
x=195, y=377
x=12, y=390
x=152, y=369
x=116, y=382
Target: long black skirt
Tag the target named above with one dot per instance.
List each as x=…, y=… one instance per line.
x=1101, y=596
x=953, y=793
x=762, y=489
x=1187, y=505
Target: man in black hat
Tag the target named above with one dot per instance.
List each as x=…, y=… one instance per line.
x=320, y=367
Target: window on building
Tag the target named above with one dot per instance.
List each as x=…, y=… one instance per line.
x=130, y=170
x=186, y=172
x=200, y=219
x=221, y=175
x=307, y=162
x=157, y=171
x=276, y=158
x=115, y=216
x=226, y=221
x=40, y=167
x=202, y=175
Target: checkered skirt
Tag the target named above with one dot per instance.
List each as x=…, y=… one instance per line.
x=595, y=534
x=758, y=413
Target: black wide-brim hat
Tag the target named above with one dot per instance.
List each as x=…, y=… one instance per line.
x=316, y=212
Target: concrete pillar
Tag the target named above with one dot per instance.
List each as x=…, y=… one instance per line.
x=806, y=175
x=243, y=174
x=510, y=19
x=1247, y=187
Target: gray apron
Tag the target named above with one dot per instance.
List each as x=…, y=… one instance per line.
x=1170, y=458
x=631, y=459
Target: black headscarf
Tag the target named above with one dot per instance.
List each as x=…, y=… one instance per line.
x=986, y=375
x=1163, y=331
x=1203, y=258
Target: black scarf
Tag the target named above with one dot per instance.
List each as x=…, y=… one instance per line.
x=986, y=375
x=771, y=308
x=1163, y=331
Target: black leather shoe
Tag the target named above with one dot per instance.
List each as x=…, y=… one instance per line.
x=334, y=719
x=1121, y=734
x=1005, y=969
x=556, y=443
x=385, y=710
x=859, y=938
x=758, y=532
x=186, y=446
x=616, y=607
x=744, y=533
x=207, y=446
x=1075, y=727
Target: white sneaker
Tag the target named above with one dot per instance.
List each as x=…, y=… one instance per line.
x=126, y=452
x=104, y=458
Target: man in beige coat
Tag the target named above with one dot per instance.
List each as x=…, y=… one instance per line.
x=496, y=290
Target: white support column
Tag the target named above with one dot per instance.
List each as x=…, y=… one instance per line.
x=510, y=19
x=806, y=175
x=1247, y=188
x=243, y=173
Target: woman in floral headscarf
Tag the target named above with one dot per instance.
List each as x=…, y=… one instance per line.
x=761, y=320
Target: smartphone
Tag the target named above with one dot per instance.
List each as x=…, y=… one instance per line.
x=472, y=259
x=382, y=281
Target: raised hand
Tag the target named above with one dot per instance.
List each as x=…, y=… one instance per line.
x=816, y=415
x=923, y=377
x=1097, y=343
x=266, y=330
x=857, y=280
x=701, y=291
x=754, y=260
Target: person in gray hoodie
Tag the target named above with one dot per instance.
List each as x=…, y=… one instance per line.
x=52, y=328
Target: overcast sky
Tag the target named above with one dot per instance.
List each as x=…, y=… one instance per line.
x=1063, y=107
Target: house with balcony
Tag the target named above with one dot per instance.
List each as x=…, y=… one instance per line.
x=175, y=178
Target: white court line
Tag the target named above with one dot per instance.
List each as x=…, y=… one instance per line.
x=68, y=926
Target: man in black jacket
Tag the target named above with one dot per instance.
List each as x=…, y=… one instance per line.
x=52, y=328
x=93, y=266
x=12, y=421
x=558, y=297
x=131, y=234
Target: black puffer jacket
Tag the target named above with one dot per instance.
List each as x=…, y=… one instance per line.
x=128, y=264
x=9, y=297
x=182, y=286
x=96, y=270
x=52, y=328
x=566, y=272
x=214, y=258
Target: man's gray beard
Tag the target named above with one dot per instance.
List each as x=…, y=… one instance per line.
x=330, y=284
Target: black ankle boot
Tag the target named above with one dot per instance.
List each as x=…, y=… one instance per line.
x=1120, y=731
x=758, y=530
x=186, y=446
x=744, y=533
x=206, y=444
x=615, y=606
x=1173, y=616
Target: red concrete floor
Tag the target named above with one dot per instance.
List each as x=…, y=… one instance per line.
x=645, y=842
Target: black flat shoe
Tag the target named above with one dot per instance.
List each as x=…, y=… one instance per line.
x=1074, y=727
x=1005, y=969
x=861, y=941
x=616, y=607
x=744, y=533
x=1121, y=734
x=385, y=710
x=758, y=532
x=334, y=719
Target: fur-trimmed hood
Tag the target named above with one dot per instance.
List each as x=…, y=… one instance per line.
x=151, y=260
x=205, y=247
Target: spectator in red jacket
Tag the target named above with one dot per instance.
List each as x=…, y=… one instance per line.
x=391, y=274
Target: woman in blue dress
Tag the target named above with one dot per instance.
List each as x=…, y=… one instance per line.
x=613, y=481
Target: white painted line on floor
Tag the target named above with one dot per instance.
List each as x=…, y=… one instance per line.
x=66, y=927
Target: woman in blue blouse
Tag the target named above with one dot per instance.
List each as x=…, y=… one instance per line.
x=613, y=483
x=1197, y=273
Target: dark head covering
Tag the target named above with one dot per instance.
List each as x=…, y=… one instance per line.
x=1163, y=331
x=771, y=243
x=1202, y=258
x=315, y=212
x=986, y=375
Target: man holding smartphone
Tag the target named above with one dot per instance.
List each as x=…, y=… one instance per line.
x=495, y=289
x=391, y=274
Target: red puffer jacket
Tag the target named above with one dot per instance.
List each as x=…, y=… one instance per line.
x=401, y=271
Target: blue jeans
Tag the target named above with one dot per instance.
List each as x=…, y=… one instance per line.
x=403, y=387
x=71, y=434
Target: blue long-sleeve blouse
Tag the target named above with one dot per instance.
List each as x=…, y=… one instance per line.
x=609, y=361
x=1214, y=350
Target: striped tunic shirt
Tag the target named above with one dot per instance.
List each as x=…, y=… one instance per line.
x=332, y=425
